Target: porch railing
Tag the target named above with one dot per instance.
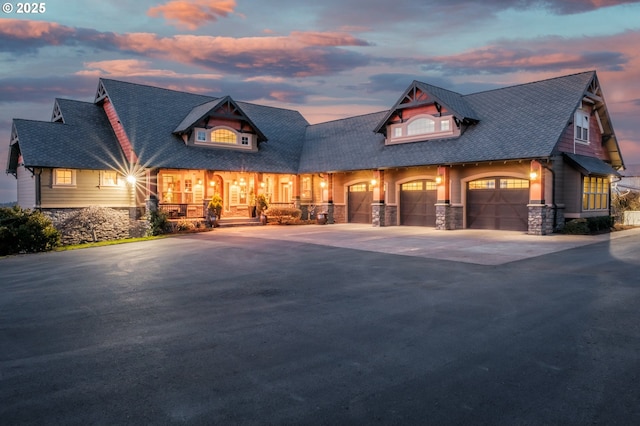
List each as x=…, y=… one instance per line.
x=177, y=211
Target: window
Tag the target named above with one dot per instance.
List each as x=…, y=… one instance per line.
x=109, y=178
x=245, y=140
x=483, y=184
x=514, y=184
x=595, y=195
x=223, y=136
x=581, y=120
x=64, y=177
x=420, y=126
x=361, y=187
x=412, y=186
x=201, y=136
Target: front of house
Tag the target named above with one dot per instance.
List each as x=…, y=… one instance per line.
x=522, y=158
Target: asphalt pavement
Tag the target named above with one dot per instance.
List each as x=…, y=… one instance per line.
x=275, y=325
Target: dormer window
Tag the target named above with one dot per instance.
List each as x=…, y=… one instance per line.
x=224, y=136
x=581, y=120
x=421, y=127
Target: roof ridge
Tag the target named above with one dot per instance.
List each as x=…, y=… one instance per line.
x=530, y=83
x=350, y=117
x=155, y=87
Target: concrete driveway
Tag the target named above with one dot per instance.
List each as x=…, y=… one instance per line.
x=469, y=245
x=254, y=327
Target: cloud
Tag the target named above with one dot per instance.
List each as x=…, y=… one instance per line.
x=135, y=68
x=193, y=14
x=298, y=54
x=553, y=54
x=45, y=90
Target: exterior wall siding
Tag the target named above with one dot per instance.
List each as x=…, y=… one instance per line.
x=594, y=148
x=26, y=188
x=87, y=192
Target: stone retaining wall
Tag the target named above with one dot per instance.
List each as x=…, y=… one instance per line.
x=92, y=224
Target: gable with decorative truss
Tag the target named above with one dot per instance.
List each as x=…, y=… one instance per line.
x=425, y=112
x=220, y=124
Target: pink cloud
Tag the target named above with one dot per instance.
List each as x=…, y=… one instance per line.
x=134, y=68
x=193, y=14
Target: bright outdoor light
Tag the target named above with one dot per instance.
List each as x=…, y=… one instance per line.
x=131, y=179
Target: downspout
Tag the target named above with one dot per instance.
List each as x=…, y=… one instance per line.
x=553, y=195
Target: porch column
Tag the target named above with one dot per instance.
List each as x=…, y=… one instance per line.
x=329, y=205
x=445, y=215
x=540, y=217
x=151, y=199
x=378, y=206
x=296, y=191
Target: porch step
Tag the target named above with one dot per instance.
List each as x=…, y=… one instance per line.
x=227, y=223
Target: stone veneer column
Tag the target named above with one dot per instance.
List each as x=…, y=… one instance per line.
x=448, y=217
x=378, y=214
x=540, y=220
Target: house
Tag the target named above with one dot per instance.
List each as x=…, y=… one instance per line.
x=525, y=157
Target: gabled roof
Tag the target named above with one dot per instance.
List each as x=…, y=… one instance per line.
x=84, y=141
x=149, y=116
x=453, y=101
x=200, y=112
x=517, y=122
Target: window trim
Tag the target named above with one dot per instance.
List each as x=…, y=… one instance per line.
x=437, y=133
x=250, y=138
x=55, y=180
x=580, y=116
x=103, y=181
x=601, y=195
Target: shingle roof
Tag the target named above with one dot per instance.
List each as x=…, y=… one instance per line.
x=518, y=122
x=590, y=165
x=85, y=140
x=149, y=116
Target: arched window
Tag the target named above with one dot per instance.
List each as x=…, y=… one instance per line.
x=421, y=126
x=224, y=136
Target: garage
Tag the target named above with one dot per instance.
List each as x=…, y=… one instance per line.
x=360, y=199
x=498, y=203
x=417, y=203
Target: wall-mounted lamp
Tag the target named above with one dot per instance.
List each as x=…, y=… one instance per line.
x=323, y=184
x=438, y=179
x=374, y=182
x=533, y=175
x=199, y=181
x=131, y=179
x=290, y=183
x=212, y=183
x=261, y=184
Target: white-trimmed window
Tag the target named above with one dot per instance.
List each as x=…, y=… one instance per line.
x=64, y=177
x=109, y=178
x=223, y=135
x=421, y=127
x=581, y=121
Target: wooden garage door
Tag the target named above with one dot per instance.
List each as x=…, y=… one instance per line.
x=498, y=203
x=360, y=199
x=417, y=203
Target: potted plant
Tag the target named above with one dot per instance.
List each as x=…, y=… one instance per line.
x=262, y=204
x=215, y=210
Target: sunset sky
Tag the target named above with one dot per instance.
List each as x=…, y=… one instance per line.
x=328, y=59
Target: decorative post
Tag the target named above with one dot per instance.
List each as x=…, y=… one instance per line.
x=540, y=220
x=378, y=206
x=445, y=215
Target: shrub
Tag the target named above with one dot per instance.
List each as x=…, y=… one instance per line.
x=185, y=225
x=158, y=222
x=26, y=231
x=592, y=225
x=284, y=215
x=576, y=227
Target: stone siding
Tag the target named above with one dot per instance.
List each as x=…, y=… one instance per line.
x=540, y=220
x=448, y=217
x=92, y=224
